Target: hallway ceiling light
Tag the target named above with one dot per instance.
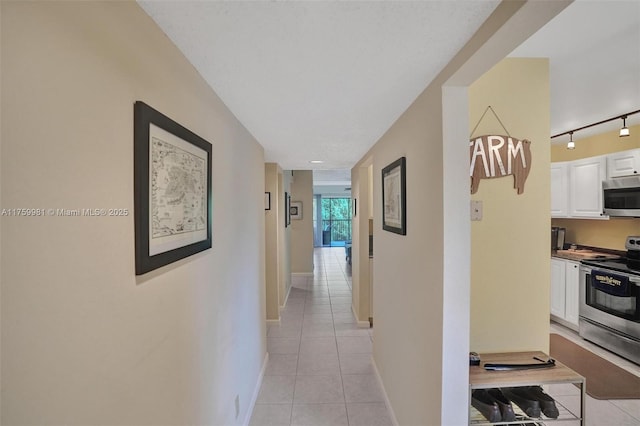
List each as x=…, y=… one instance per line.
x=625, y=130
x=316, y=161
x=571, y=144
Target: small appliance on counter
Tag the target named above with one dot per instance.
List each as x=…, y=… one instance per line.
x=610, y=302
x=557, y=238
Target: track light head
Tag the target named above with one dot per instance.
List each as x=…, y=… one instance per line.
x=571, y=144
x=624, y=131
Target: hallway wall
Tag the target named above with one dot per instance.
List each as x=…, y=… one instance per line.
x=85, y=341
x=510, y=263
x=302, y=229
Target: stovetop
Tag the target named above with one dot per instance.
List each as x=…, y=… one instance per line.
x=618, y=265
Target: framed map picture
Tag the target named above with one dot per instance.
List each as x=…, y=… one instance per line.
x=172, y=190
x=394, y=197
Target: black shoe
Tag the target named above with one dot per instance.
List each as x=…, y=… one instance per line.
x=547, y=404
x=521, y=397
x=506, y=410
x=484, y=403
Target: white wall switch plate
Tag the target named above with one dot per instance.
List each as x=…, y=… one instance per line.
x=476, y=210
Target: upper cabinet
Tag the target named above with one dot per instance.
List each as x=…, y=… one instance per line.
x=559, y=189
x=585, y=183
x=623, y=163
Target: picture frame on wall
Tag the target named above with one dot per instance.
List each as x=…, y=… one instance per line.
x=296, y=210
x=287, y=213
x=267, y=201
x=394, y=202
x=172, y=190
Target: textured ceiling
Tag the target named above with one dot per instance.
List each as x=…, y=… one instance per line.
x=594, y=64
x=318, y=80
x=324, y=80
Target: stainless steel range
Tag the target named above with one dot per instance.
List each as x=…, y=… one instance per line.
x=610, y=302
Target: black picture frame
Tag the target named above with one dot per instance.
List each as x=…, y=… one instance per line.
x=161, y=239
x=267, y=201
x=295, y=210
x=287, y=219
x=394, y=197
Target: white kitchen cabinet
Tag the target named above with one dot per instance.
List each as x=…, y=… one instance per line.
x=559, y=189
x=623, y=163
x=585, y=187
x=564, y=294
x=558, y=287
x=572, y=296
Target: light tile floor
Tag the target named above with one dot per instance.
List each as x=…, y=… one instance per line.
x=612, y=412
x=320, y=370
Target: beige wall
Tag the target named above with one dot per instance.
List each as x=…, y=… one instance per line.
x=302, y=230
x=273, y=224
x=421, y=294
x=598, y=233
x=361, y=186
x=284, y=240
x=510, y=269
x=85, y=341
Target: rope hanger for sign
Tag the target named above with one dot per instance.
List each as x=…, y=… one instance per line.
x=497, y=118
x=495, y=155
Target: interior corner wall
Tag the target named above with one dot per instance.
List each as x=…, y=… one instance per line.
x=85, y=341
x=510, y=268
x=302, y=229
x=284, y=239
x=360, y=189
x=272, y=253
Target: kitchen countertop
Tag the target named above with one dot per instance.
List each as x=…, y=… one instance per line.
x=588, y=253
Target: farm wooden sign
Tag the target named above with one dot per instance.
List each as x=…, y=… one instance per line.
x=495, y=156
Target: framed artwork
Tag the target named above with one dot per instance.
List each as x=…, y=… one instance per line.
x=355, y=207
x=394, y=202
x=172, y=190
x=267, y=201
x=295, y=210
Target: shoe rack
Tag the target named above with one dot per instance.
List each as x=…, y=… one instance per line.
x=479, y=378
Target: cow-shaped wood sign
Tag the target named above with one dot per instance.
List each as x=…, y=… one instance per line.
x=495, y=156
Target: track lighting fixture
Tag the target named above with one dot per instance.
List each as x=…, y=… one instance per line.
x=571, y=144
x=625, y=130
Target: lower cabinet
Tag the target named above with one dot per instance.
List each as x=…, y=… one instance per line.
x=564, y=294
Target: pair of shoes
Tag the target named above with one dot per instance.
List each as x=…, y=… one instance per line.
x=547, y=404
x=493, y=405
x=523, y=399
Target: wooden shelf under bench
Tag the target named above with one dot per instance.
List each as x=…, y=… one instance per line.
x=479, y=378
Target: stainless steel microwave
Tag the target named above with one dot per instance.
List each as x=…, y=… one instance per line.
x=621, y=196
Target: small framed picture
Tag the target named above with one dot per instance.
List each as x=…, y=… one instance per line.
x=267, y=201
x=394, y=202
x=296, y=210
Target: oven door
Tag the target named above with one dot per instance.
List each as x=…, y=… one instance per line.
x=610, y=299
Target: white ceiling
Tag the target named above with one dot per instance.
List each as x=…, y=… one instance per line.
x=324, y=80
x=318, y=80
x=594, y=64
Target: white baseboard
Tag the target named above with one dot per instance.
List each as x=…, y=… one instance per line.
x=286, y=299
x=361, y=324
x=256, y=391
x=394, y=421
x=302, y=274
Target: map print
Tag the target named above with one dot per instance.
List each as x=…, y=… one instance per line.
x=178, y=190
